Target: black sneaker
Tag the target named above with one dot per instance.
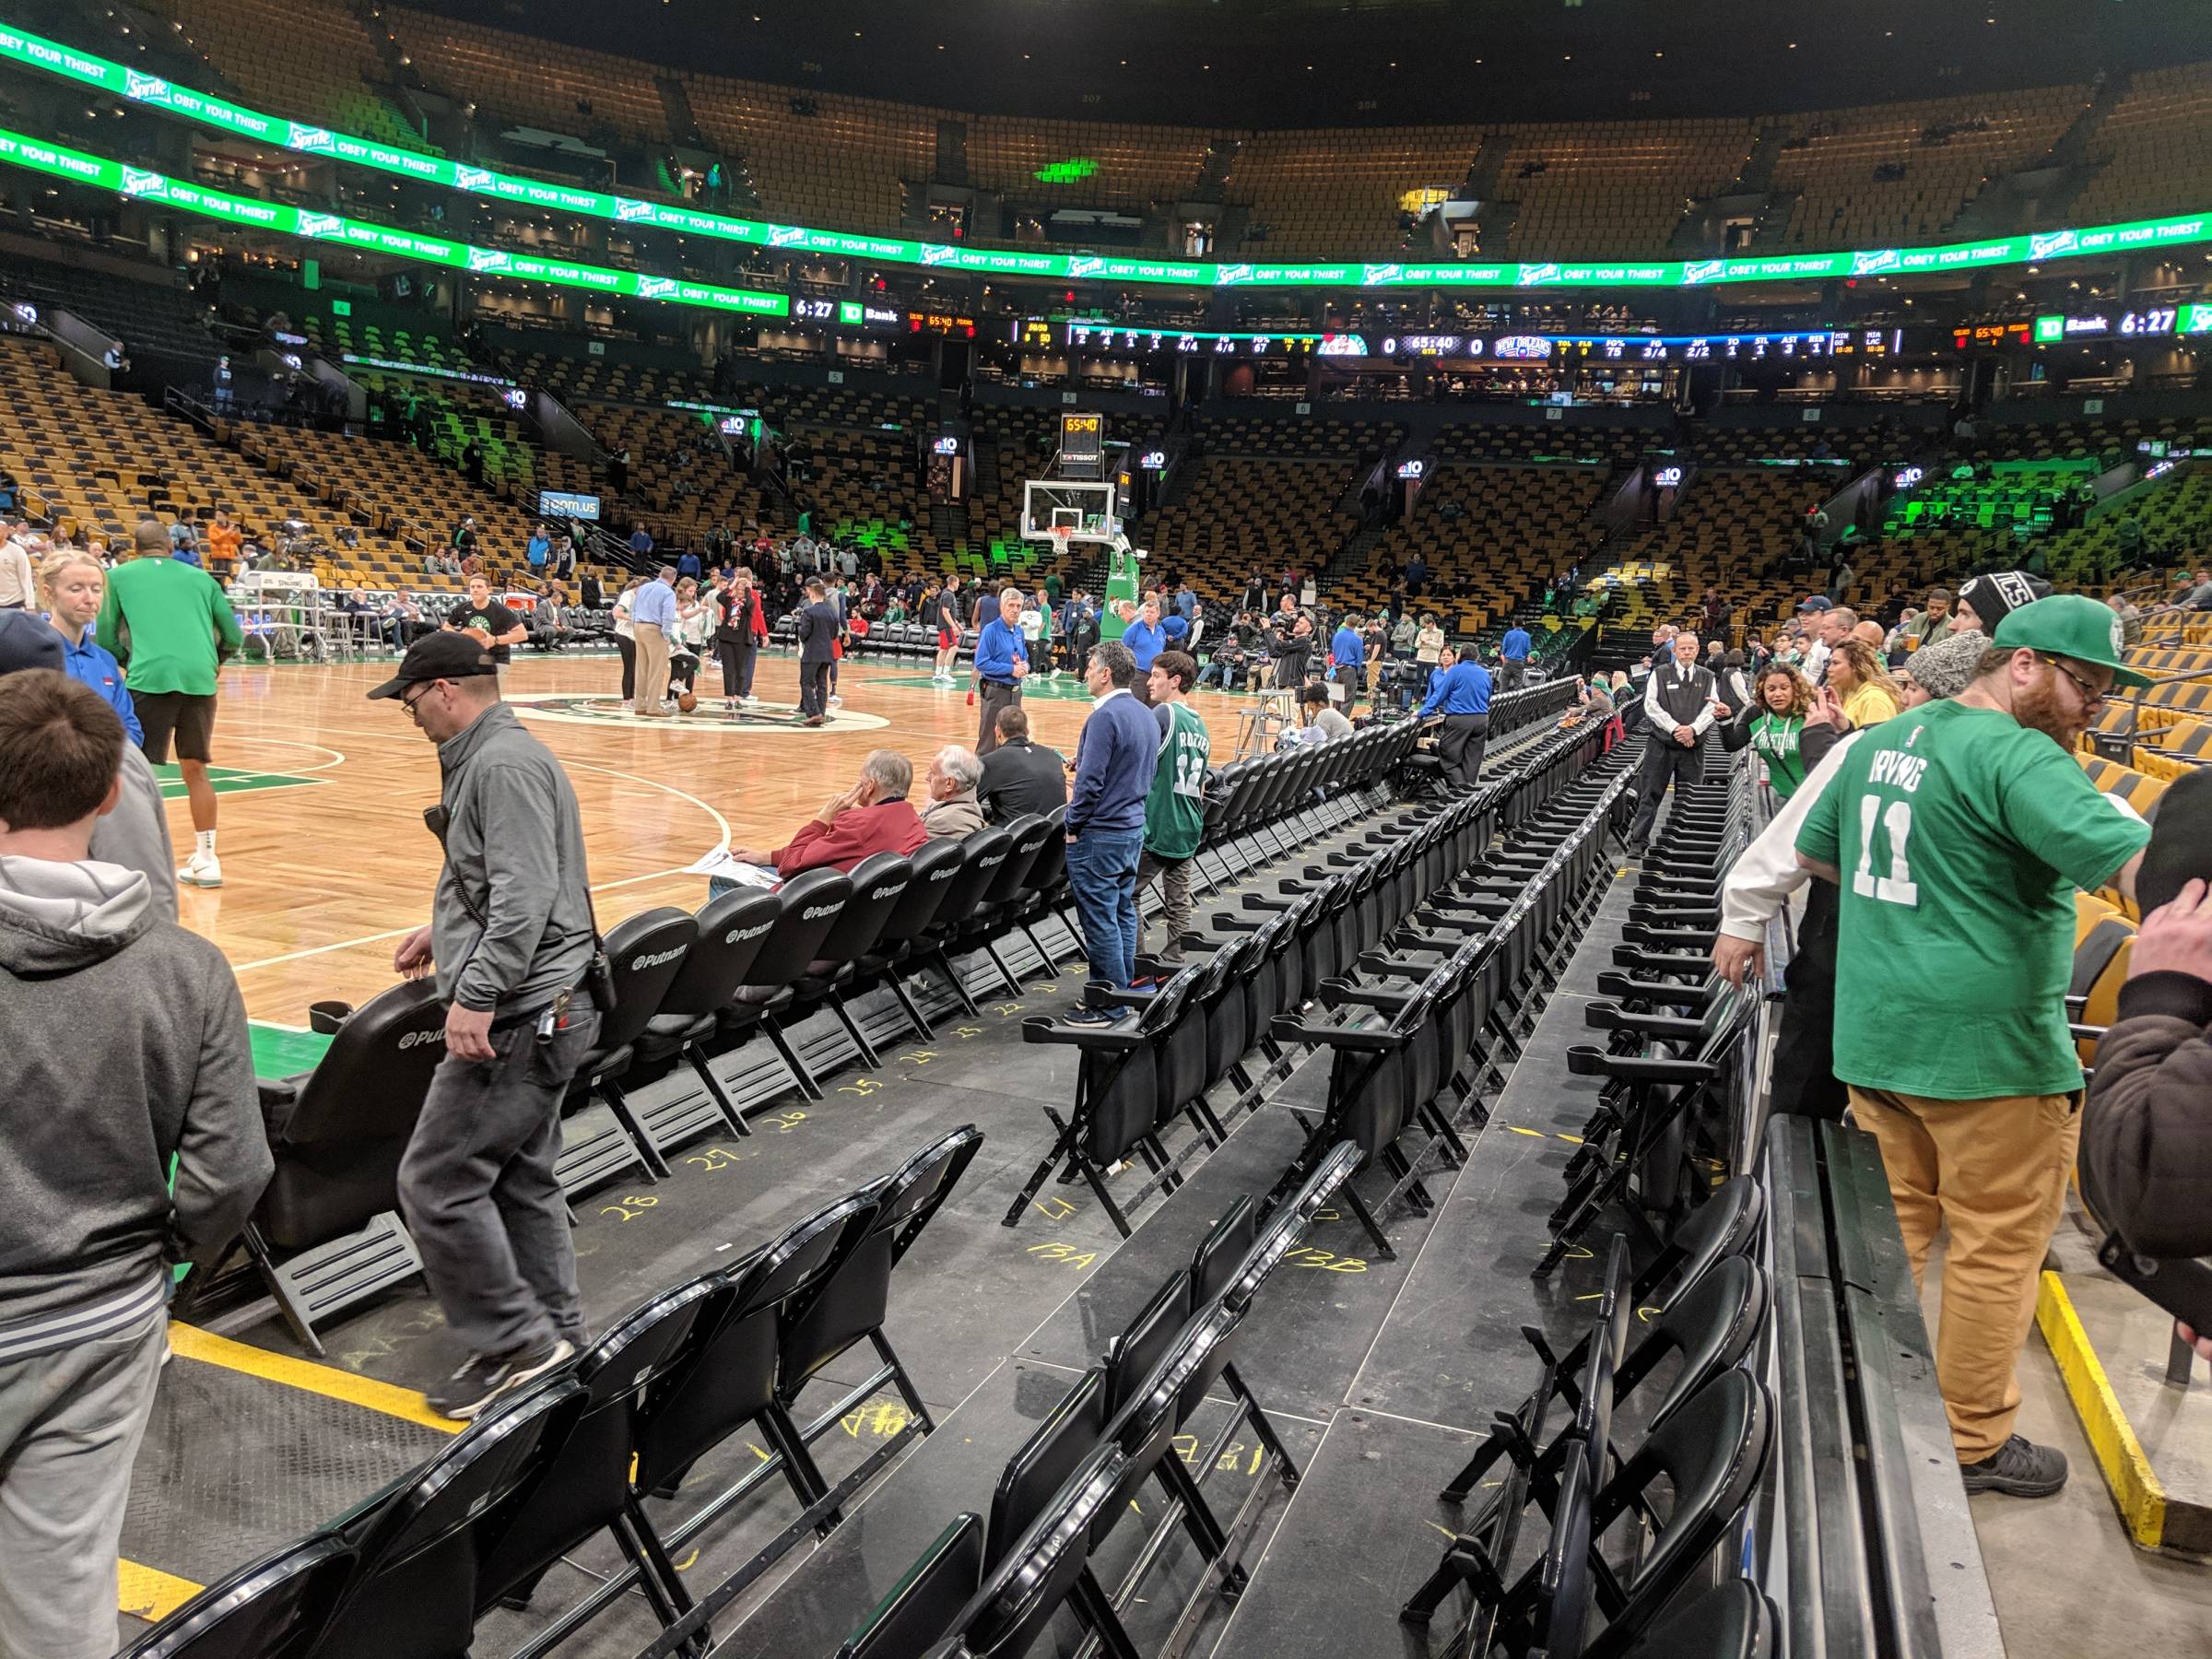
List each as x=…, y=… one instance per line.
x=1094, y=1017
x=2019, y=1468
x=487, y=1376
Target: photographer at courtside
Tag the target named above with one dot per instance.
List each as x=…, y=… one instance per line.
x=511, y=940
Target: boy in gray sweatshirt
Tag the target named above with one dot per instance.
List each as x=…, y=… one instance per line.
x=122, y=1042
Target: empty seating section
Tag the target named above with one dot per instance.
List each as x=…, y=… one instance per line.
x=1489, y=535
x=310, y=58
x=1133, y=165
x=1902, y=172
x=668, y=448
x=843, y=164
x=1613, y=187
x=159, y=315
x=1609, y=445
x=1235, y=512
x=334, y=336
x=1304, y=435
x=1322, y=194
x=532, y=82
x=1731, y=526
x=2154, y=149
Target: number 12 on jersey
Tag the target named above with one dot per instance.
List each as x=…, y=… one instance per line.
x=1897, y=887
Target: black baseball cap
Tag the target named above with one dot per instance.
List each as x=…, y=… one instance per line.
x=438, y=656
x=28, y=641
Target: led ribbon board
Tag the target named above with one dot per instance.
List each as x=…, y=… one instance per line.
x=153, y=92
x=286, y=220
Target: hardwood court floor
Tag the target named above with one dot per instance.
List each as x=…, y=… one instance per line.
x=326, y=862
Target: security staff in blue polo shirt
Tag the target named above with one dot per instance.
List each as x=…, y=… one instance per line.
x=1514, y=649
x=1002, y=663
x=1461, y=695
x=1145, y=639
x=1347, y=654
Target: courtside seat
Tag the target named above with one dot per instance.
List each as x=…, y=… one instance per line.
x=731, y=931
x=933, y=867
x=337, y=1134
x=878, y=883
x=645, y=952
x=809, y=905
x=985, y=852
x=273, y=1609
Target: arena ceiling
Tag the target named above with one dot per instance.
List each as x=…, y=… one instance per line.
x=1294, y=63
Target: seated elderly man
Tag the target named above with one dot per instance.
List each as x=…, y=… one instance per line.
x=953, y=812
x=870, y=817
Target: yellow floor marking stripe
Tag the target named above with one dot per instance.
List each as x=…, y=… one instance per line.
x=190, y=1343
x=149, y=1594
x=2127, y=1472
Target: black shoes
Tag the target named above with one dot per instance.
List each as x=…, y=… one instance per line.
x=486, y=1377
x=2019, y=1468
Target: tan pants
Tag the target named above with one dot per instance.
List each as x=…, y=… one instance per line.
x=1995, y=1173
x=653, y=670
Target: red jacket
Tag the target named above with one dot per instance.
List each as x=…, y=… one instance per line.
x=860, y=832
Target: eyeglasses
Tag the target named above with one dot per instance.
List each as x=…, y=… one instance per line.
x=2090, y=696
x=408, y=703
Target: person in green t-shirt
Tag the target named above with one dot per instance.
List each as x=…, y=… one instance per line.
x=1958, y=833
x=172, y=625
x=1774, y=727
x=1175, y=810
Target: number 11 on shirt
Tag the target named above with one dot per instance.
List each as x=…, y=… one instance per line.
x=1897, y=887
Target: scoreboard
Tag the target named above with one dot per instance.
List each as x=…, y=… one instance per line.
x=1564, y=350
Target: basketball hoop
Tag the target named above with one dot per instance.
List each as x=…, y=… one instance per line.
x=1063, y=538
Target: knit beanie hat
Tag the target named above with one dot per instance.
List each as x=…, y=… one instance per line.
x=1947, y=666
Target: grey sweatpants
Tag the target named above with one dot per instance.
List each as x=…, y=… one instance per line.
x=70, y=1424
x=478, y=1193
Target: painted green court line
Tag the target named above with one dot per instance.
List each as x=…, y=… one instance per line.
x=278, y=1053
x=229, y=780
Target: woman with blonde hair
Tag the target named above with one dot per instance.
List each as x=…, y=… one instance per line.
x=1857, y=675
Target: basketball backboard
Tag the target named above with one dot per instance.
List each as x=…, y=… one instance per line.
x=1084, y=510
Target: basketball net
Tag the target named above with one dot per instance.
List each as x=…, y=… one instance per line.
x=1062, y=538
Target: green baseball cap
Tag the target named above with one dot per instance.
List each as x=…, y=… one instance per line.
x=2070, y=624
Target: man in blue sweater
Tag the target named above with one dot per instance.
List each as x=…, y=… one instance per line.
x=1347, y=653
x=1514, y=648
x=1145, y=639
x=1002, y=661
x=1461, y=695
x=1115, y=758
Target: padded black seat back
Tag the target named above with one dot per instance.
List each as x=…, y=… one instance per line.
x=1027, y=835
x=370, y=1084
x=730, y=932
x=1228, y=1009
x=1379, y=1104
x=1725, y=1225
x=1048, y=874
x=1180, y=1047
x=1123, y=1092
x=934, y=866
x=1226, y=1244
x=1025, y=1589
x=646, y=952
x=272, y=1609
x=850, y=1300
x=1710, y=1327
x=1132, y=1356
x=986, y=853
x=1069, y=1434
x=811, y=902
x=414, y=1596
x=1145, y=1426
x=1732, y=1620
x=921, y=1605
x=1565, y=1569
x=878, y=883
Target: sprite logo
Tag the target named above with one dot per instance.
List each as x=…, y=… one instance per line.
x=136, y=181
x=655, y=288
x=1086, y=265
x=1703, y=270
x=1880, y=259
x=472, y=178
x=937, y=253
x=1371, y=274
x=2050, y=244
x=1536, y=275
x=307, y=137
x=135, y=85
x=785, y=236
x=491, y=259
x=322, y=224
x=629, y=212
x=1230, y=273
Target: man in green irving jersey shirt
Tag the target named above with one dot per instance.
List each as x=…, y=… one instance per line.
x=1175, y=810
x=1957, y=834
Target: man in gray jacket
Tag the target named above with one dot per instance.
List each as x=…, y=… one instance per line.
x=126, y=1046
x=511, y=939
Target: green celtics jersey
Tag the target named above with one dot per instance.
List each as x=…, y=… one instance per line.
x=1775, y=738
x=1175, y=810
x=1960, y=836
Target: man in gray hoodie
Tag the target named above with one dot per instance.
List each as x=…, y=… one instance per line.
x=510, y=939
x=127, y=1045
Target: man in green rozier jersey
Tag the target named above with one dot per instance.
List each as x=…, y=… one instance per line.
x=1957, y=833
x=1175, y=810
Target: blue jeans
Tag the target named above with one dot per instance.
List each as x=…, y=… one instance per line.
x=1101, y=873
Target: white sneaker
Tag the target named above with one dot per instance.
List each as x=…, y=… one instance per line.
x=202, y=869
x=628, y=705
x=836, y=701
x=749, y=700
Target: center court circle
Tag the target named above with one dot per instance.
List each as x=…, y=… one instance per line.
x=566, y=709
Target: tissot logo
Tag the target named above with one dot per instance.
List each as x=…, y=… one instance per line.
x=1703, y=270
x=625, y=209
x=322, y=224
x=491, y=259
x=1536, y=276
x=2052, y=243
x=786, y=236
x=135, y=85
x=1371, y=274
x=1880, y=259
x=307, y=137
x=136, y=181
x=472, y=178
x=820, y=910
x=639, y=964
x=654, y=287
x=409, y=1040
